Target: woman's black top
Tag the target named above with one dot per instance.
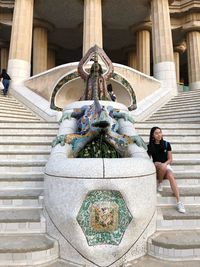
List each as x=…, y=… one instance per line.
x=159, y=151
x=5, y=76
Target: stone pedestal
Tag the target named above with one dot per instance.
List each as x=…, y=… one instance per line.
x=39, y=50
x=101, y=210
x=193, y=45
x=143, y=51
x=92, y=25
x=164, y=66
x=21, y=40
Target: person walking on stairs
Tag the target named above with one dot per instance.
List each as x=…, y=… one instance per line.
x=6, y=81
x=161, y=153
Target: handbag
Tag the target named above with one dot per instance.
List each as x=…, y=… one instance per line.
x=1, y=85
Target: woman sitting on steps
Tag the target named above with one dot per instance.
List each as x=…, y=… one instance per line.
x=160, y=151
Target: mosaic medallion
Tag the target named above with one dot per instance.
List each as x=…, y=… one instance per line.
x=104, y=217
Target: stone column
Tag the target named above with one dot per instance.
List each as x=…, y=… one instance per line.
x=4, y=51
x=92, y=25
x=21, y=40
x=143, y=51
x=51, y=58
x=39, y=49
x=178, y=50
x=193, y=52
x=132, y=59
x=164, y=66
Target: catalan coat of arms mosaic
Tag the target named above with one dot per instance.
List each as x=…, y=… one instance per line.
x=104, y=217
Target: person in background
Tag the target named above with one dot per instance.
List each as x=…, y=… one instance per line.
x=161, y=153
x=111, y=93
x=6, y=81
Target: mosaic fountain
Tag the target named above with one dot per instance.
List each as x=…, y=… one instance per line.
x=100, y=191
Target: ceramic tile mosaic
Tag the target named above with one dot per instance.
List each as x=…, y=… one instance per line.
x=104, y=217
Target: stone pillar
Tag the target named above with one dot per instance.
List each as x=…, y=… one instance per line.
x=164, y=66
x=4, y=51
x=21, y=40
x=193, y=52
x=177, y=65
x=132, y=59
x=39, y=49
x=92, y=25
x=51, y=58
x=178, y=50
x=143, y=51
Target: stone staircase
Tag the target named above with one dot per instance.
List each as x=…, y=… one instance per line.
x=177, y=240
x=24, y=148
x=25, y=143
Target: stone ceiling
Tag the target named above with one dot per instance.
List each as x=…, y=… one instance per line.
x=66, y=16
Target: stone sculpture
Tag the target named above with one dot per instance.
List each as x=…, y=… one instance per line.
x=100, y=208
x=95, y=119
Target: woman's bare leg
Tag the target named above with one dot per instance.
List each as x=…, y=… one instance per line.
x=160, y=171
x=173, y=184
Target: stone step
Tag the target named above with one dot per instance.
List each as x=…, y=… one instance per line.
x=23, y=203
x=180, y=100
x=27, y=155
x=178, y=118
x=186, y=162
x=20, y=193
x=189, y=93
x=190, y=155
x=30, y=137
x=148, y=261
x=29, y=125
x=174, y=245
x=8, y=100
x=19, y=215
x=192, y=213
x=29, y=131
x=25, y=146
x=16, y=111
x=184, y=167
x=164, y=201
x=23, y=227
x=27, y=249
x=171, y=219
x=175, y=113
x=21, y=184
x=189, y=174
x=175, y=137
x=16, y=119
x=61, y=263
x=182, y=182
x=22, y=165
x=184, y=191
x=178, y=108
x=6, y=115
x=181, y=103
x=21, y=176
x=167, y=131
x=174, y=116
x=178, y=145
x=167, y=125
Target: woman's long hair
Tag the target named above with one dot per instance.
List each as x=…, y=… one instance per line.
x=151, y=145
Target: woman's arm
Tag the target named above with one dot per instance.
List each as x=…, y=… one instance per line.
x=169, y=157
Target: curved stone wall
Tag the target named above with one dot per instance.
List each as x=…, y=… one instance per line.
x=101, y=210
